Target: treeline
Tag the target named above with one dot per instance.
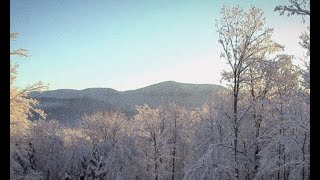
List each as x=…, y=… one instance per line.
x=258, y=129
x=172, y=143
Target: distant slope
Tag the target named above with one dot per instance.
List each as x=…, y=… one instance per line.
x=67, y=105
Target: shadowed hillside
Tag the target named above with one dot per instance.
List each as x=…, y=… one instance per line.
x=67, y=105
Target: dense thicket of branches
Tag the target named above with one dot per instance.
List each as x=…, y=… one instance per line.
x=257, y=129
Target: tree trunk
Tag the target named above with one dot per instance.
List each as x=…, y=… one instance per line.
x=303, y=155
x=235, y=119
x=174, y=149
x=155, y=157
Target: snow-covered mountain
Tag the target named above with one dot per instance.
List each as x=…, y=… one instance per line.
x=67, y=105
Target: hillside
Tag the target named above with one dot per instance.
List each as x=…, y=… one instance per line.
x=67, y=105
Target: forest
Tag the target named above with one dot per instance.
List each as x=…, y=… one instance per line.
x=259, y=128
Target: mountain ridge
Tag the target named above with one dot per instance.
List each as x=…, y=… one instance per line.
x=67, y=105
x=156, y=84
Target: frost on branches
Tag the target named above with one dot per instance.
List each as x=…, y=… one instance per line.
x=257, y=128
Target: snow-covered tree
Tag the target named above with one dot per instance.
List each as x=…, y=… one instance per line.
x=150, y=128
x=164, y=134
x=296, y=7
x=96, y=169
x=211, y=142
x=47, y=141
x=179, y=130
x=111, y=133
x=258, y=128
x=21, y=108
x=285, y=152
x=245, y=41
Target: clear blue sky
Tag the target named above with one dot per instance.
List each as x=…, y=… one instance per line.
x=127, y=44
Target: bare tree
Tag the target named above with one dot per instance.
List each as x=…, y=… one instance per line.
x=296, y=7
x=244, y=41
x=21, y=107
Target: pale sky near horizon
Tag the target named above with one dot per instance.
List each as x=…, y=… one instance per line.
x=128, y=44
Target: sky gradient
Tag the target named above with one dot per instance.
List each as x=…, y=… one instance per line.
x=128, y=44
